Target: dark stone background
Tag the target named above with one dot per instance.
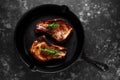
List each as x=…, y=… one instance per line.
x=101, y=22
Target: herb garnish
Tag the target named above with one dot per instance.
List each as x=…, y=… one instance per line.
x=51, y=51
x=53, y=25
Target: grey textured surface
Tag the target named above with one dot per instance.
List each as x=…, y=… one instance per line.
x=101, y=22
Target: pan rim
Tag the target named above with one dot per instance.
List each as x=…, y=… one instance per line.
x=19, y=51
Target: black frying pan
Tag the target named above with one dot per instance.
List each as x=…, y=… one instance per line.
x=25, y=35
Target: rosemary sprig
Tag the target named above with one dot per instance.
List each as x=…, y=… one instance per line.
x=53, y=25
x=51, y=51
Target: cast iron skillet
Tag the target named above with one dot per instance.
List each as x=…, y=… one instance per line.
x=25, y=35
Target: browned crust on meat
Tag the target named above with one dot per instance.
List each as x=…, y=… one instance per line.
x=60, y=33
x=42, y=42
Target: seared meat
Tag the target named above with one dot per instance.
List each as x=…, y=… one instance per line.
x=57, y=28
x=43, y=50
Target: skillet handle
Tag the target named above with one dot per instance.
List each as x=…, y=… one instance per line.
x=64, y=8
x=99, y=65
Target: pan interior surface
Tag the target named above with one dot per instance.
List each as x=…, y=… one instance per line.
x=25, y=35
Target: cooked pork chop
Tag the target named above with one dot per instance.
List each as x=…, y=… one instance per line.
x=59, y=29
x=43, y=50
